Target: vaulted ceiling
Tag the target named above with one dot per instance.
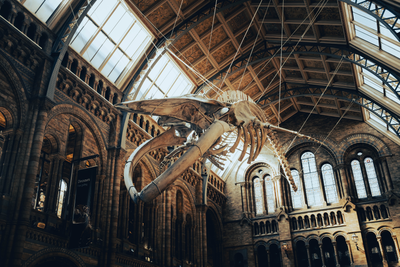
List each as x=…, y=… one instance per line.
x=236, y=46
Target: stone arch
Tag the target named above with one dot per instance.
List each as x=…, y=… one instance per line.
x=381, y=148
x=370, y=230
x=329, y=145
x=185, y=190
x=272, y=242
x=86, y=120
x=19, y=89
x=385, y=228
x=256, y=165
x=260, y=243
x=9, y=116
x=52, y=252
x=300, y=238
x=340, y=233
x=313, y=236
x=328, y=235
x=54, y=141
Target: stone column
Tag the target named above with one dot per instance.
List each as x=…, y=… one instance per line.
x=322, y=255
x=25, y=204
x=386, y=173
x=343, y=178
x=115, y=204
x=384, y=261
x=204, y=232
x=167, y=233
x=9, y=161
x=265, y=211
x=37, y=37
x=279, y=190
x=308, y=255
x=364, y=173
x=244, y=198
x=269, y=259
x=336, y=254
x=70, y=61
x=52, y=180
x=350, y=251
x=322, y=186
x=396, y=245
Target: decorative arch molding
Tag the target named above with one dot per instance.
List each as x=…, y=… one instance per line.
x=370, y=230
x=10, y=117
x=340, y=233
x=313, y=236
x=260, y=243
x=256, y=165
x=18, y=86
x=385, y=228
x=330, y=145
x=328, y=235
x=86, y=120
x=180, y=185
x=381, y=148
x=300, y=238
x=273, y=242
x=54, y=251
x=54, y=141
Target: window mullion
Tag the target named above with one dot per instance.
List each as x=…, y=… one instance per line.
x=321, y=187
x=173, y=84
x=304, y=191
x=365, y=176
x=265, y=211
x=155, y=80
x=115, y=48
x=40, y=6
x=379, y=174
x=99, y=29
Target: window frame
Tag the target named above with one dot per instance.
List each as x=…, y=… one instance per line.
x=56, y=12
x=133, y=60
x=364, y=173
x=317, y=172
x=322, y=190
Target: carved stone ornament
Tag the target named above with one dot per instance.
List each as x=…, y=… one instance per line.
x=196, y=126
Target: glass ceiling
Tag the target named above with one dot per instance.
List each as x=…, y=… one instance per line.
x=164, y=79
x=111, y=38
x=43, y=9
x=369, y=29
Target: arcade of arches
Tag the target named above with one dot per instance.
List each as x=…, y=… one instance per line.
x=63, y=199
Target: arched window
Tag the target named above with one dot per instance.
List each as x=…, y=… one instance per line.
x=61, y=196
x=42, y=177
x=258, y=195
x=311, y=183
x=297, y=202
x=372, y=179
x=358, y=179
x=329, y=183
x=269, y=191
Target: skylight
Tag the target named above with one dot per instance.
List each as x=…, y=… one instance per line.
x=164, y=79
x=111, y=38
x=43, y=9
x=370, y=30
